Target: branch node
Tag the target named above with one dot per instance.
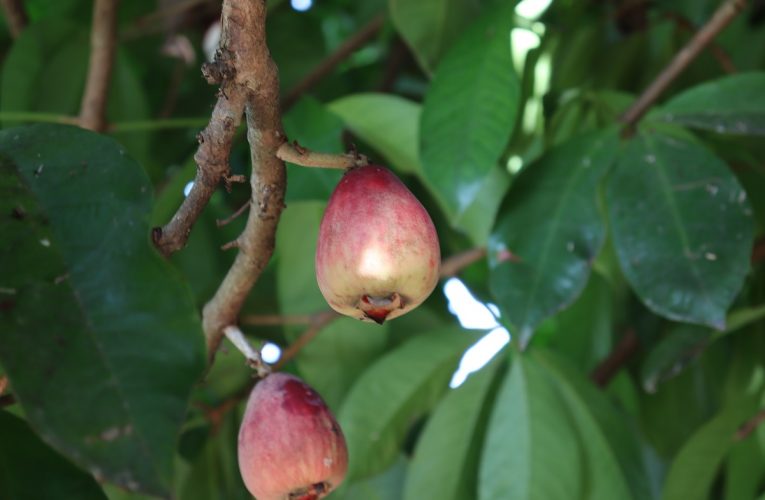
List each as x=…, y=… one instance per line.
x=230, y=245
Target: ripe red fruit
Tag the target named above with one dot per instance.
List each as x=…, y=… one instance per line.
x=290, y=445
x=377, y=256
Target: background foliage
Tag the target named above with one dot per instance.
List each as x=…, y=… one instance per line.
x=505, y=125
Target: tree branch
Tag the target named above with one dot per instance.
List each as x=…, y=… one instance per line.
x=103, y=44
x=715, y=49
x=244, y=26
x=318, y=322
x=750, y=426
x=326, y=67
x=456, y=263
x=294, y=153
x=724, y=15
x=15, y=15
x=618, y=357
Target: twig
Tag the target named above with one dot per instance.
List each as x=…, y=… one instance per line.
x=3, y=384
x=244, y=23
x=294, y=153
x=232, y=70
x=15, y=16
x=359, y=39
x=103, y=44
x=724, y=15
x=235, y=335
x=277, y=320
x=320, y=321
x=750, y=426
x=230, y=218
x=454, y=264
x=618, y=357
x=715, y=49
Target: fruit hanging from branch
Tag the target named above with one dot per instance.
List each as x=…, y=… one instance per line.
x=290, y=445
x=378, y=255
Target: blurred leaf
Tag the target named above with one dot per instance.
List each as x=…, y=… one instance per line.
x=672, y=353
x=745, y=469
x=682, y=228
x=397, y=389
x=296, y=43
x=549, y=231
x=530, y=435
x=430, y=26
x=468, y=116
x=445, y=463
x=694, y=468
x=24, y=458
x=583, y=331
x=388, y=485
x=734, y=104
x=613, y=458
x=45, y=71
x=351, y=344
x=311, y=124
x=119, y=335
x=388, y=123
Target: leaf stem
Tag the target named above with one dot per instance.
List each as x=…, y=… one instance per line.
x=294, y=153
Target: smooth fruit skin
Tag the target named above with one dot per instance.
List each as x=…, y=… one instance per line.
x=290, y=445
x=378, y=255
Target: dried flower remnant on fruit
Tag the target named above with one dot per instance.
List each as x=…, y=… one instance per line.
x=378, y=255
x=290, y=445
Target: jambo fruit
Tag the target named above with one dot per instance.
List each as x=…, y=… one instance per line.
x=290, y=445
x=378, y=255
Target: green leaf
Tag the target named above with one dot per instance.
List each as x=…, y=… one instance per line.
x=613, y=460
x=388, y=123
x=25, y=460
x=387, y=485
x=530, y=436
x=469, y=113
x=46, y=70
x=672, y=353
x=311, y=124
x=445, y=463
x=692, y=472
x=396, y=390
x=97, y=321
x=734, y=104
x=682, y=228
x=583, y=331
x=351, y=344
x=745, y=469
x=429, y=26
x=549, y=231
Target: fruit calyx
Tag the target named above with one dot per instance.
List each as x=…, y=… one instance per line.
x=379, y=308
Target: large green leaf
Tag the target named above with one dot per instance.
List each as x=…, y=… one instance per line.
x=445, y=463
x=97, y=321
x=386, y=122
x=29, y=470
x=734, y=104
x=672, y=353
x=693, y=470
x=682, y=228
x=351, y=344
x=531, y=450
x=469, y=113
x=613, y=460
x=393, y=393
x=429, y=26
x=388, y=485
x=313, y=126
x=549, y=231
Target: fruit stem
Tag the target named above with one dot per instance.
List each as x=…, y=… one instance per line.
x=298, y=155
x=235, y=335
